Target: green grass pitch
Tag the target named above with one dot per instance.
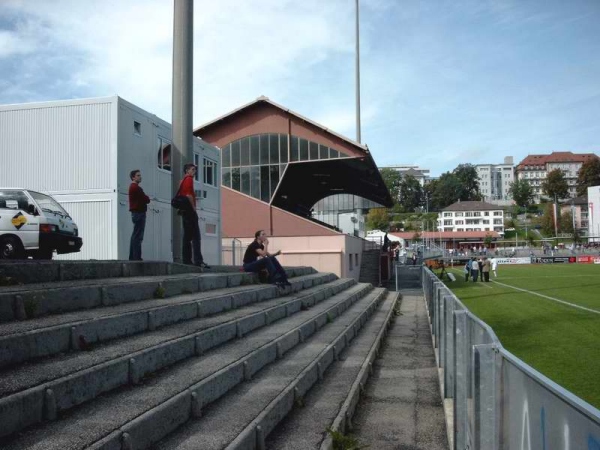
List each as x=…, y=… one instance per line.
x=559, y=340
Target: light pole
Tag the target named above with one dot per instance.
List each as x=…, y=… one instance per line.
x=358, y=137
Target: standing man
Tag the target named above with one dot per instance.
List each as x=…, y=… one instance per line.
x=138, y=205
x=495, y=267
x=191, y=229
x=486, y=269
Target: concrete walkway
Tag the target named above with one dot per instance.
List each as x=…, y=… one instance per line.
x=402, y=406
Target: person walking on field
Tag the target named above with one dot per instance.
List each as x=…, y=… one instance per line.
x=486, y=269
x=474, y=269
x=467, y=270
x=480, y=264
x=494, y=267
x=191, y=229
x=138, y=205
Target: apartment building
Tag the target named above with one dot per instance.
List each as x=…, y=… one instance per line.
x=535, y=168
x=471, y=216
x=422, y=175
x=495, y=181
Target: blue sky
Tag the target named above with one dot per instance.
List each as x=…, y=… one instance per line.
x=443, y=82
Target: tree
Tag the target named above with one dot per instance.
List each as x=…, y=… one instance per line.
x=410, y=193
x=522, y=193
x=588, y=175
x=378, y=219
x=555, y=186
x=547, y=221
x=566, y=222
x=446, y=190
x=392, y=178
x=467, y=176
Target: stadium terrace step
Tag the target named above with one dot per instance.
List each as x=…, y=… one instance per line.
x=272, y=394
x=21, y=341
x=39, y=299
x=147, y=409
x=331, y=403
x=80, y=376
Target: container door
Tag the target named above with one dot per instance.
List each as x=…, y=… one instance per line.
x=161, y=239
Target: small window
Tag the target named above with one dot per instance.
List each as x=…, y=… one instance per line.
x=303, y=150
x=211, y=228
x=164, y=154
x=356, y=259
x=350, y=266
x=314, y=151
x=294, y=149
x=209, y=172
x=137, y=128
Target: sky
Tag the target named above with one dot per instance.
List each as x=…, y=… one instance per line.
x=443, y=82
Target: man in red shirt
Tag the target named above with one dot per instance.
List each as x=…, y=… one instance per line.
x=138, y=202
x=191, y=229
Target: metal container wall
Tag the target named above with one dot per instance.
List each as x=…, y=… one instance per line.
x=58, y=146
x=500, y=402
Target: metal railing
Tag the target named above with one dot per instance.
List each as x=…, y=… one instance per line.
x=499, y=402
x=232, y=255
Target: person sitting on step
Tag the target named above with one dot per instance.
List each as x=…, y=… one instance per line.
x=259, y=247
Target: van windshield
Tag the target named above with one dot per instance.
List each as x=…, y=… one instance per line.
x=48, y=204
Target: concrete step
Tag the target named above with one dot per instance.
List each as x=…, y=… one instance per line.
x=331, y=403
x=22, y=341
x=127, y=362
x=248, y=414
x=214, y=371
x=39, y=299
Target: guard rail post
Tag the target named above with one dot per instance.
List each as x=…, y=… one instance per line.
x=461, y=379
x=486, y=398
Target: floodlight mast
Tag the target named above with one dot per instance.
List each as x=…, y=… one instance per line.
x=182, y=112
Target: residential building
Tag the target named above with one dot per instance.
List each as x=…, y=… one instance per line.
x=535, y=168
x=495, y=181
x=594, y=213
x=471, y=216
x=578, y=207
x=422, y=175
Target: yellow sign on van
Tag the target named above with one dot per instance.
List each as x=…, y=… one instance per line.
x=19, y=220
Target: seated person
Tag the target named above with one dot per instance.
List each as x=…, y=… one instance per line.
x=259, y=247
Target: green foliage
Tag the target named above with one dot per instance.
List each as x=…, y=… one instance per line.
x=588, y=175
x=460, y=184
x=521, y=192
x=547, y=221
x=378, y=219
x=159, y=292
x=566, y=222
x=391, y=178
x=488, y=240
x=410, y=193
x=344, y=442
x=555, y=185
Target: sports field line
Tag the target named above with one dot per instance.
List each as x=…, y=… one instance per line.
x=549, y=298
x=552, y=276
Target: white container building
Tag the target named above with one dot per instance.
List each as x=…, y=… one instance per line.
x=82, y=151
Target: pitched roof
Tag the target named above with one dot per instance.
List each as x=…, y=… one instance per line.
x=556, y=157
x=472, y=206
x=263, y=99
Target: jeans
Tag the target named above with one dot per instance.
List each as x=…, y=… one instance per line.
x=135, y=245
x=191, y=238
x=475, y=274
x=276, y=272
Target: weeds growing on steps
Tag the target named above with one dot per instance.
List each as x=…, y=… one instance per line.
x=344, y=442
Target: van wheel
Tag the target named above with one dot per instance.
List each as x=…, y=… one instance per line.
x=11, y=248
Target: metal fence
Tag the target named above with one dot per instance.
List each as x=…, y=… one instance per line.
x=499, y=402
x=232, y=254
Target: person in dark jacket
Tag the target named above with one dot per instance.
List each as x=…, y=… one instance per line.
x=138, y=205
x=259, y=247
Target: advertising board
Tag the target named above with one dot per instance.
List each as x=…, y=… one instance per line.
x=524, y=260
x=588, y=259
x=554, y=259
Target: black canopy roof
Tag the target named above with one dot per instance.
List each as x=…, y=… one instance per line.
x=305, y=183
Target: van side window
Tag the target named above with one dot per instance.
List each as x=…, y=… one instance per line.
x=13, y=200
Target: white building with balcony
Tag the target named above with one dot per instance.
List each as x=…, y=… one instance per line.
x=495, y=181
x=471, y=216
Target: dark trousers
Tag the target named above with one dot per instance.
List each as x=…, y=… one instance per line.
x=135, y=245
x=475, y=274
x=466, y=276
x=486, y=276
x=191, y=238
x=276, y=272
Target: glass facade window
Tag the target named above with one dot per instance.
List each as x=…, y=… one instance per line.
x=254, y=164
x=303, y=150
x=164, y=153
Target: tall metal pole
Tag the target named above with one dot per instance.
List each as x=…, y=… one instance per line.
x=182, y=115
x=358, y=138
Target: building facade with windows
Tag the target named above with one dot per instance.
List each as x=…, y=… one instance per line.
x=422, y=175
x=288, y=165
x=471, y=216
x=495, y=181
x=535, y=168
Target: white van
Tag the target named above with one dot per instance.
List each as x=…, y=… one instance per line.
x=34, y=224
